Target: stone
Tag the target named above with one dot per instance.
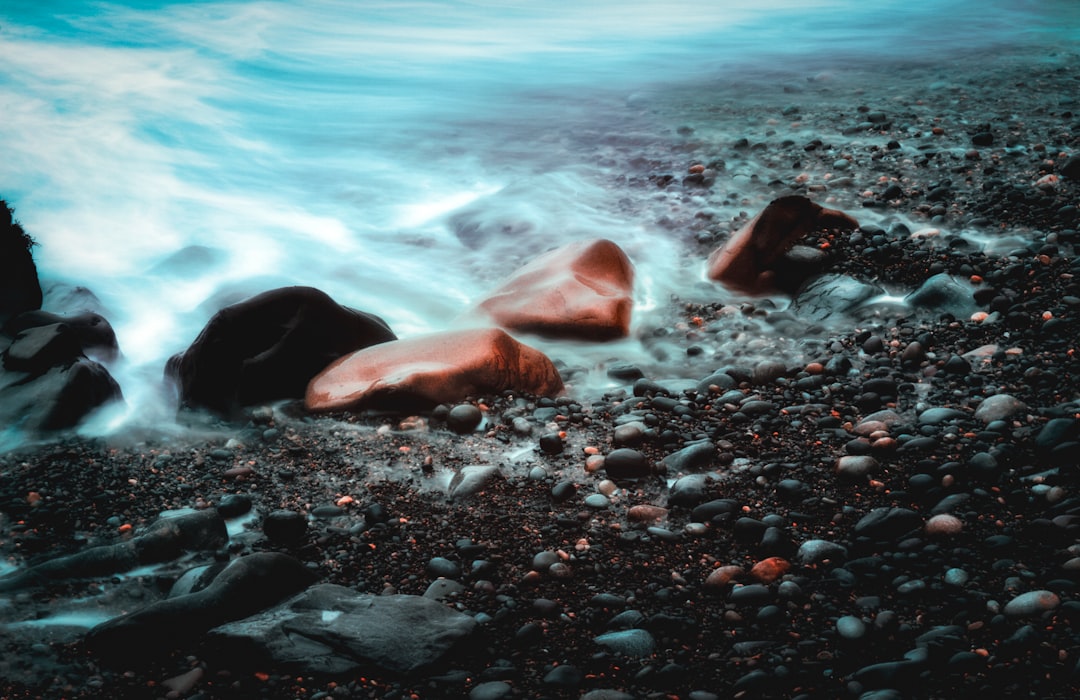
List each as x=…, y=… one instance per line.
x=857, y=466
x=56, y=399
x=689, y=491
x=249, y=584
x=887, y=523
x=1032, y=603
x=942, y=293
x=330, y=629
x=432, y=369
x=626, y=463
x=269, y=347
x=816, y=551
x=693, y=457
x=827, y=296
x=636, y=643
x=583, y=290
x=91, y=332
x=464, y=418
x=747, y=261
x=471, y=480
x=285, y=526
x=998, y=407
x=36, y=350
x=166, y=539
x=19, y=287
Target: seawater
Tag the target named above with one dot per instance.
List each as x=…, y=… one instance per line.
x=174, y=157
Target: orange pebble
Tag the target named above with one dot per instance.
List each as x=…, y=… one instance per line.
x=768, y=570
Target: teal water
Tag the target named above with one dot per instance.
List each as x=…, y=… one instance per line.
x=325, y=142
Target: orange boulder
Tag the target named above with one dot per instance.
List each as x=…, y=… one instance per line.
x=581, y=290
x=748, y=260
x=432, y=369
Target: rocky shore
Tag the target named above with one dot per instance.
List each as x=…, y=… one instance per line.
x=871, y=493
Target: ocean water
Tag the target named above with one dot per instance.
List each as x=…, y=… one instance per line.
x=173, y=157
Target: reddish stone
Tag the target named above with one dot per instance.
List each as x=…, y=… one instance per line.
x=768, y=570
x=582, y=290
x=433, y=369
x=747, y=261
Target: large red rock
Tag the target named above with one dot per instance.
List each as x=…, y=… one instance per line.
x=433, y=369
x=748, y=261
x=581, y=290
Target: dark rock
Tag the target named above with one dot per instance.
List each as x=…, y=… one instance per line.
x=285, y=526
x=269, y=347
x=19, y=287
x=36, y=350
x=693, y=457
x=829, y=295
x=464, y=418
x=92, y=333
x=164, y=540
x=249, y=584
x=688, y=491
x=625, y=463
x=888, y=523
x=942, y=294
x=56, y=399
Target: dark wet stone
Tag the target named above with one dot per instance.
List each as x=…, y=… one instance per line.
x=716, y=509
x=285, y=526
x=635, y=643
x=829, y=295
x=939, y=415
x=269, y=347
x=722, y=380
x=566, y=677
x=327, y=512
x=551, y=444
x=693, y=457
x=957, y=365
x=248, y=585
x=441, y=566
x=888, y=523
x=563, y=491
x=234, y=505
x=58, y=398
x=625, y=372
x=689, y=490
x=330, y=629
x=625, y=463
x=464, y=418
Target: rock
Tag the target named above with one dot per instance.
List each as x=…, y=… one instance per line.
x=464, y=418
x=817, y=551
x=285, y=526
x=166, y=539
x=330, y=629
x=689, y=491
x=582, y=290
x=887, y=524
x=1032, y=603
x=635, y=643
x=249, y=584
x=19, y=287
x=471, y=480
x=747, y=261
x=857, y=466
x=998, y=407
x=58, y=398
x=693, y=457
x=1059, y=440
x=1071, y=167
x=626, y=463
x=851, y=627
x=943, y=293
x=827, y=296
x=269, y=347
x=91, y=332
x=433, y=369
x=36, y=350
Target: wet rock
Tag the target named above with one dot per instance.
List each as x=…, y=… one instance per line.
x=1032, y=603
x=582, y=290
x=830, y=295
x=249, y=584
x=689, y=491
x=471, y=480
x=433, y=369
x=464, y=418
x=60, y=397
x=636, y=643
x=857, y=466
x=817, y=551
x=887, y=524
x=698, y=455
x=91, y=332
x=942, y=294
x=1059, y=440
x=626, y=463
x=165, y=539
x=269, y=347
x=998, y=407
x=747, y=261
x=329, y=629
x=19, y=287
x=285, y=526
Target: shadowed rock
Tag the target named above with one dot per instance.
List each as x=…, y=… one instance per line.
x=581, y=290
x=19, y=287
x=433, y=369
x=331, y=629
x=749, y=259
x=166, y=539
x=269, y=347
x=248, y=585
x=57, y=398
x=92, y=333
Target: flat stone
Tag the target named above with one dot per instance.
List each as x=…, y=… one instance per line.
x=582, y=290
x=335, y=630
x=1032, y=603
x=432, y=369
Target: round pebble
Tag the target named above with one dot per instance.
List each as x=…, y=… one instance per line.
x=464, y=418
x=1032, y=603
x=851, y=627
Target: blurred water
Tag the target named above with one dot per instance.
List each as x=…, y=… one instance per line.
x=176, y=156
